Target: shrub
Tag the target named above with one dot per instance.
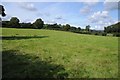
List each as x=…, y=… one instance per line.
x=96, y=33
x=116, y=34
x=104, y=34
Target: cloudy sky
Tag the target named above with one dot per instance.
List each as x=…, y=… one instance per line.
x=96, y=14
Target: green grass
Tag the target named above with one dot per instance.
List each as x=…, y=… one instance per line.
x=29, y=53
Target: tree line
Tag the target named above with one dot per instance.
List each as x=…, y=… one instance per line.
x=39, y=24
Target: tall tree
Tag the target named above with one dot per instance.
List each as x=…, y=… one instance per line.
x=88, y=28
x=38, y=24
x=14, y=22
x=2, y=11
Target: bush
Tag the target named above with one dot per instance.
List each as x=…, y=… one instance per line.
x=96, y=33
x=116, y=34
x=81, y=32
x=104, y=34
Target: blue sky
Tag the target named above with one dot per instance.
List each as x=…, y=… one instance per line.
x=78, y=14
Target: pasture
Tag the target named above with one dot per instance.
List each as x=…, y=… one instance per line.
x=33, y=53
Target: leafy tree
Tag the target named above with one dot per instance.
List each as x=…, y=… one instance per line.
x=66, y=27
x=105, y=28
x=2, y=11
x=88, y=28
x=14, y=22
x=38, y=24
x=60, y=25
x=79, y=28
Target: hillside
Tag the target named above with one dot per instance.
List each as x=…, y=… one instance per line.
x=31, y=53
x=114, y=28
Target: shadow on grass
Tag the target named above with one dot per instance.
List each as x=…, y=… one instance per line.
x=17, y=65
x=20, y=37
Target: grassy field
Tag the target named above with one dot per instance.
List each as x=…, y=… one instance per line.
x=30, y=53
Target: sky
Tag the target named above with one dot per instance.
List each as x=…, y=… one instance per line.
x=78, y=14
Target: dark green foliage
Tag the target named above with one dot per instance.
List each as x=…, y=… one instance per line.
x=26, y=25
x=66, y=27
x=88, y=28
x=73, y=29
x=96, y=33
x=100, y=33
x=82, y=32
x=45, y=26
x=14, y=22
x=5, y=23
x=116, y=34
x=79, y=28
x=2, y=10
x=115, y=28
x=38, y=24
x=104, y=34
x=52, y=26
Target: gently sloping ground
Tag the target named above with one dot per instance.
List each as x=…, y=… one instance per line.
x=81, y=55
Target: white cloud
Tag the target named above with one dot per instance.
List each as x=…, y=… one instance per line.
x=91, y=3
x=39, y=14
x=27, y=21
x=85, y=10
x=50, y=22
x=101, y=19
x=88, y=4
x=59, y=17
x=98, y=16
x=49, y=0
x=111, y=0
x=27, y=6
x=98, y=28
x=57, y=0
x=108, y=5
